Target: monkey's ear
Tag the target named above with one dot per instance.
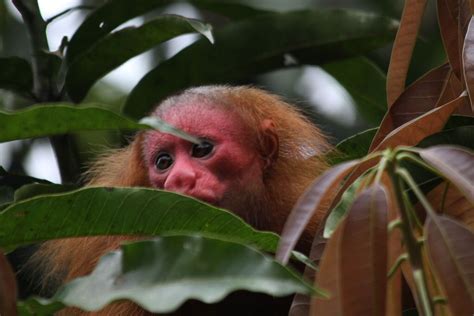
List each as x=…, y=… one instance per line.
x=270, y=143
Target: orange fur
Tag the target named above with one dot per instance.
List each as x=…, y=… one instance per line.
x=300, y=148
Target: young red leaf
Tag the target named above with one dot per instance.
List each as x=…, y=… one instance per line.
x=455, y=163
x=450, y=248
x=448, y=25
x=357, y=258
x=403, y=48
x=419, y=98
x=309, y=205
x=412, y=132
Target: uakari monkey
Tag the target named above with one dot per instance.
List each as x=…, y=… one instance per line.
x=257, y=155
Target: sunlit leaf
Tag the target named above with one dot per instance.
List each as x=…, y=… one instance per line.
x=8, y=289
x=452, y=256
x=403, y=48
x=120, y=46
x=417, y=99
x=358, y=260
x=121, y=211
x=16, y=75
x=260, y=44
x=161, y=274
x=309, y=205
x=412, y=132
x=455, y=163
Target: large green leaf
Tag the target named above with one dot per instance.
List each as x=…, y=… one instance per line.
x=118, y=47
x=369, y=94
x=11, y=182
x=260, y=44
x=16, y=75
x=115, y=12
x=50, y=119
x=160, y=275
x=122, y=211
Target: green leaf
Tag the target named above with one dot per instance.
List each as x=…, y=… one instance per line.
x=353, y=147
x=369, y=93
x=260, y=44
x=11, y=182
x=159, y=276
x=35, y=189
x=49, y=119
x=122, y=211
x=16, y=75
x=115, y=49
x=341, y=209
x=115, y=12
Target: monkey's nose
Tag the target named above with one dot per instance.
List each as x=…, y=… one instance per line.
x=180, y=180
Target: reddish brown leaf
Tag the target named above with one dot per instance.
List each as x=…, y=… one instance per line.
x=357, y=259
x=455, y=163
x=450, y=201
x=7, y=288
x=412, y=132
x=448, y=25
x=403, y=48
x=468, y=61
x=308, y=204
x=419, y=98
x=450, y=248
x=394, y=284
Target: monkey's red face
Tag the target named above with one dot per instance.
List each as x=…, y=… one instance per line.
x=221, y=171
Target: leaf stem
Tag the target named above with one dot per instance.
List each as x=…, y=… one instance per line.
x=411, y=244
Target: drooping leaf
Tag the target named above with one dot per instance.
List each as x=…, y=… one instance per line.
x=450, y=249
x=358, y=260
x=468, y=61
x=51, y=119
x=16, y=75
x=403, y=48
x=417, y=99
x=455, y=163
x=115, y=12
x=159, y=276
x=368, y=94
x=257, y=45
x=8, y=288
x=121, y=211
x=412, y=132
x=118, y=47
x=309, y=205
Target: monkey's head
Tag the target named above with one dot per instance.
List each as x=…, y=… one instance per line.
x=250, y=139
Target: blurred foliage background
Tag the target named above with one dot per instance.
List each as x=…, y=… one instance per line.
x=310, y=87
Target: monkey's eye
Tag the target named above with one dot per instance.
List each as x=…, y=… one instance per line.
x=163, y=161
x=202, y=150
